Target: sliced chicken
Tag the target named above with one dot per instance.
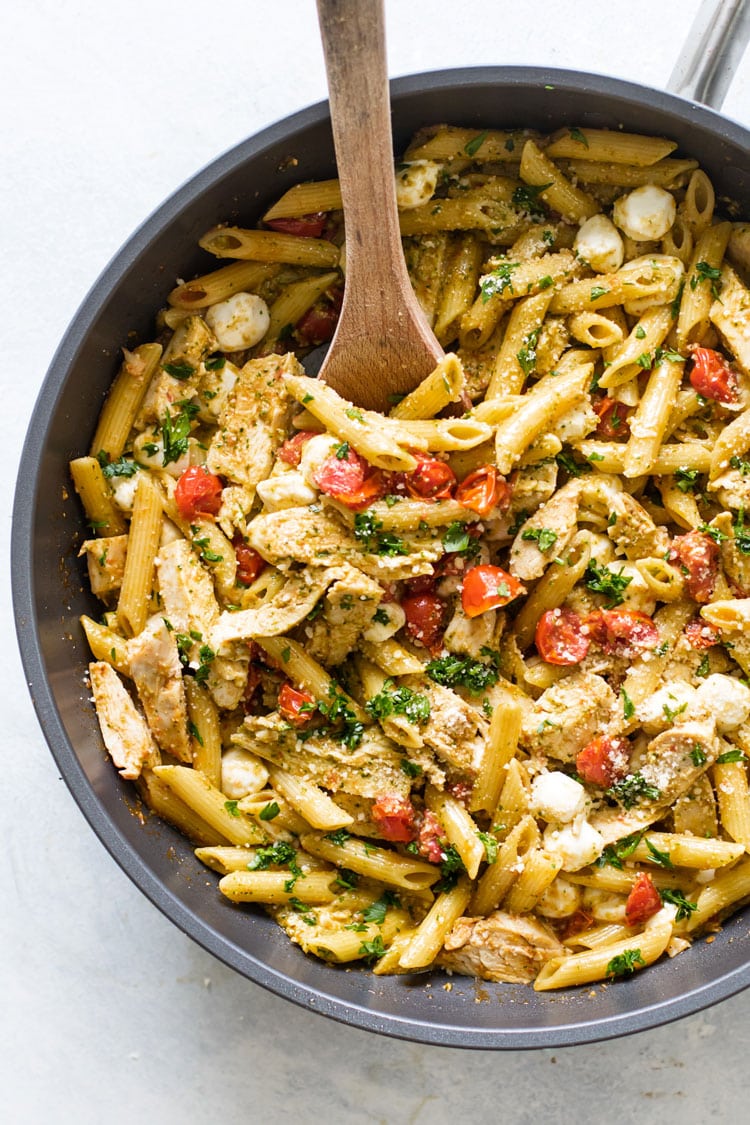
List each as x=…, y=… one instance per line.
x=124, y=730
x=567, y=716
x=347, y=611
x=501, y=947
x=555, y=523
x=729, y=314
x=633, y=530
x=278, y=614
x=105, y=559
x=454, y=730
x=191, y=343
x=157, y=673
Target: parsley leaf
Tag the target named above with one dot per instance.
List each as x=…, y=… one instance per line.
x=175, y=431
x=741, y=533
x=367, y=529
x=498, y=281
x=465, y=672
x=597, y=292
x=663, y=859
x=400, y=700
x=632, y=789
x=577, y=135
x=614, y=854
x=231, y=807
x=705, y=272
x=451, y=867
x=527, y=355
x=543, y=536
x=372, y=950
x=698, y=755
x=527, y=197
x=602, y=580
x=411, y=769
x=684, y=907
x=376, y=911
x=457, y=541
x=490, y=846
x=342, y=451
x=120, y=468
x=730, y=756
x=339, y=837
x=625, y=963
x=269, y=811
x=686, y=479
x=179, y=371
x=472, y=147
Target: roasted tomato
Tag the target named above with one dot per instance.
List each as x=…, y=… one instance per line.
x=291, y=704
x=712, y=377
x=308, y=226
x=318, y=325
x=483, y=490
x=198, y=491
x=425, y=619
x=604, y=761
x=291, y=450
x=700, y=634
x=622, y=632
x=395, y=818
x=249, y=563
x=431, y=480
x=577, y=923
x=698, y=558
x=350, y=480
x=613, y=419
x=559, y=637
x=643, y=901
x=487, y=587
x=430, y=835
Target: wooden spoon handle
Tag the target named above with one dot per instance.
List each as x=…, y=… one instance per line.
x=353, y=35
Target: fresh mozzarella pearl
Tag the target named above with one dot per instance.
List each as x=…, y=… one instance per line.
x=726, y=699
x=314, y=452
x=148, y=450
x=557, y=798
x=241, y=774
x=287, y=490
x=561, y=899
x=672, y=699
x=646, y=213
x=416, y=183
x=576, y=844
x=598, y=243
x=605, y=906
x=239, y=322
x=123, y=489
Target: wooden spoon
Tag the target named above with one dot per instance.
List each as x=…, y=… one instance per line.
x=383, y=345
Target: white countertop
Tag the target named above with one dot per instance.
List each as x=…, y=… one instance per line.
x=108, y=1012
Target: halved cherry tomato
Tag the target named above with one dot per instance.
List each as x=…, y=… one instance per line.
x=613, y=418
x=198, y=491
x=318, y=325
x=622, y=632
x=559, y=638
x=425, y=619
x=290, y=452
x=308, y=226
x=604, y=761
x=350, y=480
x=487, y=587
x=700, y=634
x=431, y=480
x=422, y=584
x=394, y=816
x=291, y=702
x=712, y=377
x=251, y=686
x=249, y=563
x=483, y=490
x=698, y=556
x=643, y=901
x=430, y=834
x=577, y=923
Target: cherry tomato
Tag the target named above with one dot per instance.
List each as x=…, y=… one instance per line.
x=487, y=587
x=249, y=563
x=198, y=491
x=712, y=377
x=291, y=702
x=425, y=619
x=604, y=761
x=318, y=325
x=698, y=557
x=431, y=480
x=430, y=834
x=461, y=790
x=700, y=634
x=394, y=816
x=351, y=480
x=613, y=419
x=643, y=901
x=577, y=923
x=483, y=490
x=422, y=584
x=622, y=632
x=559, y=638
x=251, y=686
x=308, y=226
x=291, y=450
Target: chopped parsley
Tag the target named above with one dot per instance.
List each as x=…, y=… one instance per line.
x=279, y=853
x=686, y=479
x=400, y=700
x=543, y=536
x=698, y=755
x=377, y=910
x=336, y=709
x=527, y=355
x=614, y=854
x=625, y=963
x=572, y=467
x=346, y=879
x=368, y=530
x=204, y=549
x=490, y=846
x=632, y=789
x=196, y=734
x=451, y=867
x=457, y=541
x=602, y=580
x=674, y=308
x=663, y=859
x=269, y=811
x=354, y=414
x=231, y=807
x=214, y=362
x=684, y=907
x=342, y=451
x=705, y=272
x=372, y=950
x=527, y=197
x=472, y=147
x=411, y=769
x=716, y=533
x=671, y=713
x=628, y=707
x=119, y=468
x=179, y=371
x=381, y=617
x=730, y=756
x=640, y=332
x=742, y=467
x=577, y=135
x=175, y=431
x=495, y=283
x=597, y=292
x=741, y=533
x=464, y=671
x=339, y=837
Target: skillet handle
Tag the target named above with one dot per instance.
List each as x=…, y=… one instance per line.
x=713, y=49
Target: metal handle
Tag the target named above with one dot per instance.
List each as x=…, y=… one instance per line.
x=713, y=49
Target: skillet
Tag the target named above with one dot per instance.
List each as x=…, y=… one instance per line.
x=49, y=590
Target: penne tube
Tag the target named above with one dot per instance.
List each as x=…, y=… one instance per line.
x=443, y=386
x=277, y=887
x=224, y=860
x=700, y=289
x=460, y=279
x=106, y=644
x=204, y=728
x=635, y=952
x=165, y=803
x=460, y=829
x=306, y=199
x=547, y=400
x=239, y=277
x=342, y=946
x=671, y=172
x=558, y=192
x=391, y=657
x=500, y=746
x=311, y=802
x=143, y=543
x=269, y=246
x=88, y=480
x=517, y=356
x=697, y=207
x=450, y=142
x=376, y=863
x=291, y=305
x=733, y=441
x=552, y=589
x=540, y=868
x=432, y=931
x=209, y=803
x=649, y=423
x=728, y=887
x=124, y=400
x=294, y=662
x=609, y=145
x=728, y=613
x=498, y=877
x=609, y=457
x=687, y=851
x=733, y=798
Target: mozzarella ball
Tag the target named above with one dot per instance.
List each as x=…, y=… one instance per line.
x=148, y=450
x=391, y=618
x=598, y=243
x=557, y=798
x=241, y=774
x=123, y=490
x=674, y=699
x=603, y=905
x=239, y=322
x=648, y=212
x=561, y=899
x=286, y=490
x=314, y=452
x=726, y=699
x=576, y=844
x=637, y=594
x=416, y=183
